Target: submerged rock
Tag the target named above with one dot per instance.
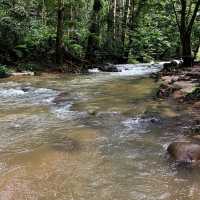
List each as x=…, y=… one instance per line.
x=184, y=152
x=61, y=98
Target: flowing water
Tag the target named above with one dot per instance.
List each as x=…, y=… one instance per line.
x=91, y=137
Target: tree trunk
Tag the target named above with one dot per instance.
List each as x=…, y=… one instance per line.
x=185, y=29
x=133, y=21
x=185, y=37
x=59, y=38
x=186, y=49
x=93, y=39
x=111, y=20
x=124, y=22
x=44, y=13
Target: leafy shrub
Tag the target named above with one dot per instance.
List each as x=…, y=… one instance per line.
x=132, y=60
x=74, y=47
x=27, y=67
x=4, y=72
x=9, y=33
x=77, y=50
x=147, y=58
x=38, y=33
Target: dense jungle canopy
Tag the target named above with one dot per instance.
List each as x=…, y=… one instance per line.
x=96, y=31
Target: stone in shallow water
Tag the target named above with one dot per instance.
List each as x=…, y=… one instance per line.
x=184, y=152
x=169, y=79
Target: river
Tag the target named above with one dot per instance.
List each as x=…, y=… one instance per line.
x=101, y=136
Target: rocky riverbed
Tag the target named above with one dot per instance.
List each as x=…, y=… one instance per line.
x=183, y=86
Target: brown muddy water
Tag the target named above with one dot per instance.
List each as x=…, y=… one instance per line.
x=103, y=138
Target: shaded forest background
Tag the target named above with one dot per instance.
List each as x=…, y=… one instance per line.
x=93, y=31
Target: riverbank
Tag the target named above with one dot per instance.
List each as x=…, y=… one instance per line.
x=182, y=86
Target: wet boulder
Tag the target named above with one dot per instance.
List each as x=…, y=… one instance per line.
x=171, y=66
x=108, y=68
x=184, y=152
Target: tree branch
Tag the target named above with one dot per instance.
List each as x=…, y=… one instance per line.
x=183, y=15
x=177, y=21
x=193, y=16
x=189, y=11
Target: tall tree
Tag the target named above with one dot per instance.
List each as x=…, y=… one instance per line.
x=136, y=8
x=60, y=32
x=44, y=12
x=125, y=20
x=94, y=31
x=185, y=18
x=111, y=19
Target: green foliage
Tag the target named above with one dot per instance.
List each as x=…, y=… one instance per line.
x=77, y=50
x=198, y=56
x=9, y=33
x=28, y=31
x=132, y=60
x=157, y=36
x=38, y=33
x=3, y=71
x=27, y=67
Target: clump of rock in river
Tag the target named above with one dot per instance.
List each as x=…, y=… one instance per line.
x=181, y=84
x=185, y=152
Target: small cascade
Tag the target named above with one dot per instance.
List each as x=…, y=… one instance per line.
x=132, y=69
